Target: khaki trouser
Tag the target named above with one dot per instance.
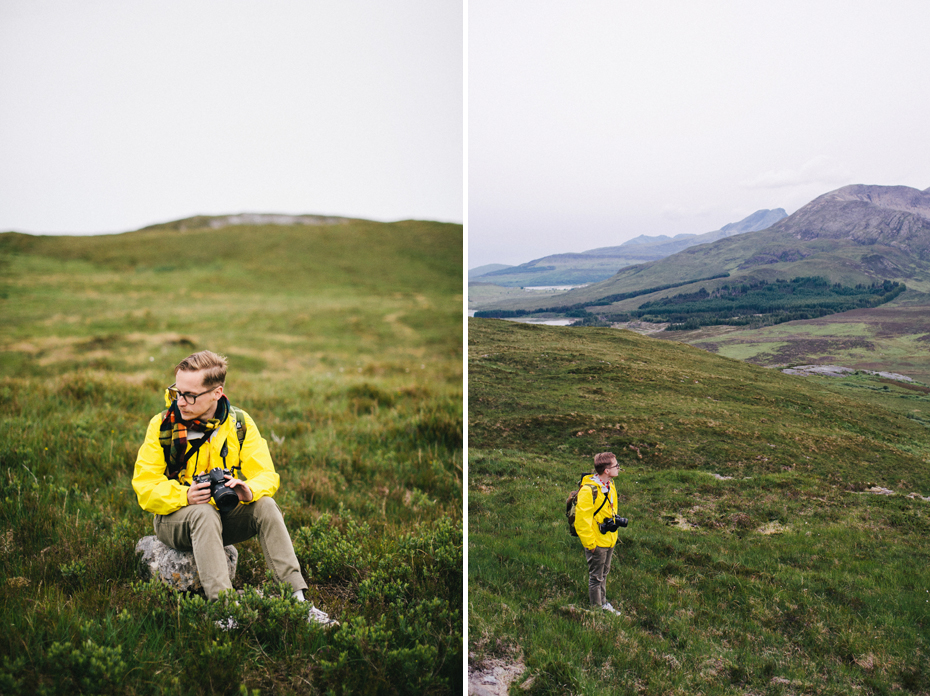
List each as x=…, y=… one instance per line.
x=203, y=530
x=598, y=567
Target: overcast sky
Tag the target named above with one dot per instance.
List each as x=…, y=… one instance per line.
x=117, y=114
x=590, y=123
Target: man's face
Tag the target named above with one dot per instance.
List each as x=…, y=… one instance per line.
x=611, y=471
x=205, y=405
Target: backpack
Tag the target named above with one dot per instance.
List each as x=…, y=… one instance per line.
x=572, y=502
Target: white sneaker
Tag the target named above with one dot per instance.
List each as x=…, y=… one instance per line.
x=607, y=606
x=315, y=615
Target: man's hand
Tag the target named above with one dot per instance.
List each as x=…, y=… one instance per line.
x=240, y=487
x=198, y=493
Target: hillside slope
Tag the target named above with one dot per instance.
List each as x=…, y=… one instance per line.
x=760, y=557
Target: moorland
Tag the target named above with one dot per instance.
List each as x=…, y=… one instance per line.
x=778, y=524
x=344, y=342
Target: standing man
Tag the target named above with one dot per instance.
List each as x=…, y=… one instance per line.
x=597, y=502
x=199, y=432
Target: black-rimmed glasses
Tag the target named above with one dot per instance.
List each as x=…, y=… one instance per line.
x=189, y=399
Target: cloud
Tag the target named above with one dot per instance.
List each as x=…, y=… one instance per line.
x=821, y=171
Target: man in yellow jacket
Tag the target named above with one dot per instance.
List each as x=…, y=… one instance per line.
x=597, y=502
x=197, y=434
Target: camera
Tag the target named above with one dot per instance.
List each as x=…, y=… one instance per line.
x=225, y=498
x=612, y=524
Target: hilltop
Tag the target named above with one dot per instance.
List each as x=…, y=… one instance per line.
x=599, y=264
x=272, y=254
x=777, y=523
x=216, y=222
x=481, y=270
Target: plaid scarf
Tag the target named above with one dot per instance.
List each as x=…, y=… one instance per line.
x=173, y=435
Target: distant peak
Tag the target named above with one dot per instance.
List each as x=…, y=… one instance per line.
x=759, y=220
x=646, y=239
x=903, y=198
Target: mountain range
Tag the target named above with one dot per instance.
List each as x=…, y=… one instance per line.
x=858, y=235
x=600, y=264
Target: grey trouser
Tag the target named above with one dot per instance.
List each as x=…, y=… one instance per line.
x=203, y=530
x=598, y=567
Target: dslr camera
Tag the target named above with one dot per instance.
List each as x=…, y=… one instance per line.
x=612, y=524
x=225, y=498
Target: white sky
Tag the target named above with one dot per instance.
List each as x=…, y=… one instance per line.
x=116, y=114
x=592, y=122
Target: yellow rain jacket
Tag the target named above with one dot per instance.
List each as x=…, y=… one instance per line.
x=162, y=496
x=585, y=520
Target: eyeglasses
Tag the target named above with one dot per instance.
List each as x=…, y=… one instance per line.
x=189, y=399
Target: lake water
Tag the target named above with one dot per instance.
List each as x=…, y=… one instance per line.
x=553, y=288
x=547, y=322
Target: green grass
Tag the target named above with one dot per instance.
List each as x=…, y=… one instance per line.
x=891, y=338
x=757, y=561
x=345, y=346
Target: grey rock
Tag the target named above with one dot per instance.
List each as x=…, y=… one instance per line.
x=838, y=371
x=175, y=568
x=825, y=370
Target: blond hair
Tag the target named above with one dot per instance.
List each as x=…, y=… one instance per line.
x=214, y=367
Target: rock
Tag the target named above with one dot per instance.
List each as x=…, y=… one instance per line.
x=838, y=371
x=825, y=370
x=175, y=568
x=493, y=677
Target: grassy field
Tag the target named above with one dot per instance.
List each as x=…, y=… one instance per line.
x=344, y=344
x=890, y=338
x=778, y=524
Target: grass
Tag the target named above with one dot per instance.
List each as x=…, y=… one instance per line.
x=890, y=338
x=758, y=560
x=345, y=347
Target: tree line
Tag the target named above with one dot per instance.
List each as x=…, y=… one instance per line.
x=757, y=302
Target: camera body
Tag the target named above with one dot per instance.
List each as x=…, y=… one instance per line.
x=612, y=524
x=224, y=497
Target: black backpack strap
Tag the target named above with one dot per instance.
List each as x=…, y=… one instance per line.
x=240, y=436
x=240, y=425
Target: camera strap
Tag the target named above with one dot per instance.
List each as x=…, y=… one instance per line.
x=223, y=453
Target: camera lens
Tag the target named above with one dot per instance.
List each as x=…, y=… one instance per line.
x=225, y=499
